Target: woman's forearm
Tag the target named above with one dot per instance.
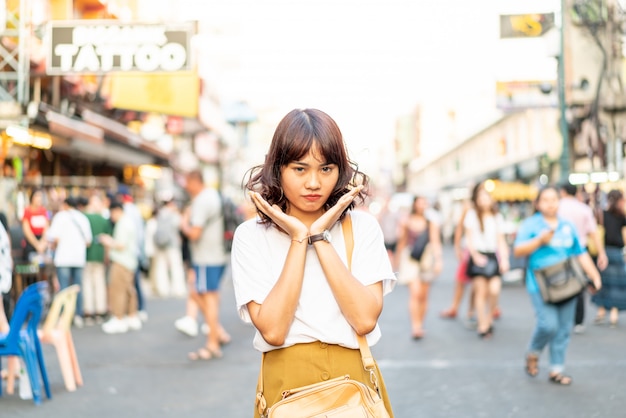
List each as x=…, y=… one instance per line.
x=274, y=316
x=526, y=248
x=361, y=305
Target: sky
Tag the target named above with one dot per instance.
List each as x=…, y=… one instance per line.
x=363, y=62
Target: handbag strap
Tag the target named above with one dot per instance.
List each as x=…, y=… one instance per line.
x=366, y=354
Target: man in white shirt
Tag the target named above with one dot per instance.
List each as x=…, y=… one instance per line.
x=70, y=235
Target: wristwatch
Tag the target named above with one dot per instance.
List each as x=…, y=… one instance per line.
x=324, y=236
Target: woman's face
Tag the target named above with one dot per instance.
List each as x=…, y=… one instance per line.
x=483, y=200
x=308, y=183
x=548, y=203
x=36, y=199
x=420, y=204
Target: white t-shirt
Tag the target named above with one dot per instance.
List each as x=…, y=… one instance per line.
x=258, y=256
x=71, y=229
x=486, y=240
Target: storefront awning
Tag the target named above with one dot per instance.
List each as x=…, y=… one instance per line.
x=67, y=127
x=510, y=191
x=112, y=154
x=120, y=133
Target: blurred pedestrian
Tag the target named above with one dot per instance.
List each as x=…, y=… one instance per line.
x=581, y=216
x=612, y=296
x=124, y=196
x=169, y=273
x=188, y=324
x=94, y=281
x=389, y=220
x=205, y=231
x=419, y=274
x=123, y=249
x=290, y=268
x=546, y=239
x=461, y=278
x=70, y=235
x=35, y=223
x=488, y=256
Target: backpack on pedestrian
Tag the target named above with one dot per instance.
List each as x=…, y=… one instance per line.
x=232, y=219
x=163, y=237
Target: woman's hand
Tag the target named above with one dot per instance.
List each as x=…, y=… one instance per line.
x=546, y=236
x=504, y=265
x=42, y=246
x=290, y=224
x=480, y=259
x=328, y=219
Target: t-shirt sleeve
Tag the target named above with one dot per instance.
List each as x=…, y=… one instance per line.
x=370, y=261
x=251, y=269
x=525, y=232
x=470, y=220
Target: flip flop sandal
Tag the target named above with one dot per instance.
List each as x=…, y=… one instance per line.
x=561, y=379
x=532, y=365
x=202, y=353
x=448, y=314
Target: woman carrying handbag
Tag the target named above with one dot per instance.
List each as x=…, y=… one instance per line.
x=488, y=256
x=548, y=240
x=290, y=264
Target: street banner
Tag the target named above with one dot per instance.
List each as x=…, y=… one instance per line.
x=103, y=46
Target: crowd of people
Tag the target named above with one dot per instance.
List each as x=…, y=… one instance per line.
x=564, y=225
x=103, y=242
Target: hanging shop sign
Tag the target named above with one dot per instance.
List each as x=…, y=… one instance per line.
x=97, y=47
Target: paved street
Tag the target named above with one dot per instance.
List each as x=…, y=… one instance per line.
x=450, y=373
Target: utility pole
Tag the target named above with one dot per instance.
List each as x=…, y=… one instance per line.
x=564, y=160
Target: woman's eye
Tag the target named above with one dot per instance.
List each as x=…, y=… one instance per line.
x=298, y=169
x=327, y=169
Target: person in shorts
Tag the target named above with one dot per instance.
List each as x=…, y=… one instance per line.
x=205, y=230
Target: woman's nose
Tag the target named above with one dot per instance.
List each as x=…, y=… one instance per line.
x=313, y=181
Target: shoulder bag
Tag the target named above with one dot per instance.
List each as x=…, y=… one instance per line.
x=341, y=397
x=491, y=269
x=421, y=241
x=562, y=281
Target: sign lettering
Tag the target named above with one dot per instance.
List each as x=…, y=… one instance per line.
x=103, y=46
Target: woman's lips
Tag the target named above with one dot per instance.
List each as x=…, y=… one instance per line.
x=312, y=197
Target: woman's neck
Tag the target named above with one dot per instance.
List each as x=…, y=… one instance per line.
x=551, y=219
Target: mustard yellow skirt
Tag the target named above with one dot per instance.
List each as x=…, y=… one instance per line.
x=305, y=364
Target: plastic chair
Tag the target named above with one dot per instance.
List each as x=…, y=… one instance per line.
x=24, y=342
x=56, y=330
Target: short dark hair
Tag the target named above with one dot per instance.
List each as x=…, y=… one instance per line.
x=116, y=204
x=71, y=201
x=569, y=188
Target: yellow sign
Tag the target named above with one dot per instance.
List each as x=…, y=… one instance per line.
x=171, y=94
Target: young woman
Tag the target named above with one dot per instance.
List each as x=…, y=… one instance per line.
x=613, y=294
x=420, y=274
x=546, y=240
x=35, y=223
x=484, y=239
x=461, y=279
x=289, y=265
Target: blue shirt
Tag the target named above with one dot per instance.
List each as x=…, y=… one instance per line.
x=564, y=244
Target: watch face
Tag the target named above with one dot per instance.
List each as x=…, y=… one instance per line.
x=327, y=236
